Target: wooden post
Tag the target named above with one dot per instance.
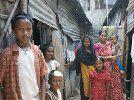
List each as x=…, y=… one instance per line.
x=123, y=35
x=23, y=6
x=8, y=21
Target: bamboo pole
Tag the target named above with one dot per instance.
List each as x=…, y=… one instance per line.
x=123, y=36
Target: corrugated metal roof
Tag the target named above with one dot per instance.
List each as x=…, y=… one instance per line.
x=68, y=21
x=42, y=12
x=130, y=5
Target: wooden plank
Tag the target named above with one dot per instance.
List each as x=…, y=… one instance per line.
x=8, y=21
x=3, y=16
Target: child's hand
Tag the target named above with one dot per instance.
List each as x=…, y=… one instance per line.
x=90, y=97
x=106, y=98
x=44, y=71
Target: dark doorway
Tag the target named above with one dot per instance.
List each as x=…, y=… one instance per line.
x=36, y=33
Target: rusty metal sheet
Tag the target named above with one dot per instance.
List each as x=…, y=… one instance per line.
x=42, y=12
x=68, y=21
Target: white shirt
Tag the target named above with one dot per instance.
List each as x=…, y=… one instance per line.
x=27, y=76
x=132, y=49
x=52, y=65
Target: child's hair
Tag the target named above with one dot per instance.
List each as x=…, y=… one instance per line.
x=100, y=59
x=18, y=17
x=100, y=33
x=55, y=73
x=44, y=48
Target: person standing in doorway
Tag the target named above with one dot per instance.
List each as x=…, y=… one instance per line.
x=23, y=68
x=48, y=52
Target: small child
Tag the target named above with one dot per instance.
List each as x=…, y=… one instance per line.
x=99, y=82
x=116, y=51
x=55, y=81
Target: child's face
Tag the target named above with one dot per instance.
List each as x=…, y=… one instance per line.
x=99, y=65
x=102, y=37
x=114, y=39
x=56, y=82
x=23, y=31
x=49, y=53
x=86, y=42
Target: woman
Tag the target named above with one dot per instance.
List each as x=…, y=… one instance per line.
x=84, y=62
x=104, y=49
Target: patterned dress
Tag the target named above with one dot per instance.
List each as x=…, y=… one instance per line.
x=116, y=86
x=53, y=96
x=98, y=84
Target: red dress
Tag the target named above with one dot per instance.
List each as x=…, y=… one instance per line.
x=98, y=84
x=116, y=86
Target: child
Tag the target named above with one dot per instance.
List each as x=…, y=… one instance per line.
x=116, y=51
x=99, y=82
x=22, y=65
x=55, y=81
x=116, y=91
x=48, y=52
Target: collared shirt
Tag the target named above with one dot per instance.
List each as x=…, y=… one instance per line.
x=9, y=76
x=27, y=76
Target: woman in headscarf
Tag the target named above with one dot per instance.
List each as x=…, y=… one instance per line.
x=84, y=62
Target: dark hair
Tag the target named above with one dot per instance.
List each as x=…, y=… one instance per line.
x=18, y=17
x=100, y=59
x=44, y=48
x=100, y=33
x=84, y=55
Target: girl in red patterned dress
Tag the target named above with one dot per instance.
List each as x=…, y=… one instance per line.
x=99, y=82
x=105, y=51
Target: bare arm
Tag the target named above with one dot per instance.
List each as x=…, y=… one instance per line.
x=90, y=95
x=107, y=90
x=110, y=57
x=43, y=65
x=47, y=97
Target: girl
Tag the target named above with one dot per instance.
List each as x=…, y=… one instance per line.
x=99, y=82
x=116, y=90
x=52, y=64
x=55, y=81
x=116, y=51
x=84, y=62
x=22, y=64
x=105, y=51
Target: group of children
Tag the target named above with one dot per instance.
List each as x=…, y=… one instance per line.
x=98, y=85
x=99, y=82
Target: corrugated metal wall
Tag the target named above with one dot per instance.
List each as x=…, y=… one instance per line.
x=68, y=21
x=40, y=11
x=130, y=16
